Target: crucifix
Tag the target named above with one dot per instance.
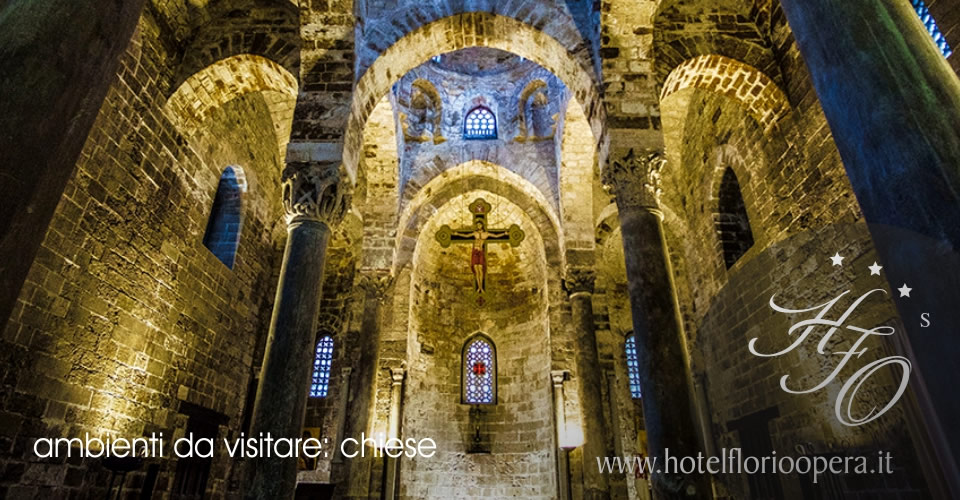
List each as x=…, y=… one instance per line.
x=478, y=235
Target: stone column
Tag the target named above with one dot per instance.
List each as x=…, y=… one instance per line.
x=579, y=284
x=635, y=181
x=59, y=58
x=376, y=285
x=895, y=123
x=893, y=106
x=563, y=464
x=314, y=198
x=343, y=410
x=393, y=430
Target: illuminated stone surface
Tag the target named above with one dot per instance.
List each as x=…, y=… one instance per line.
x=126, y=323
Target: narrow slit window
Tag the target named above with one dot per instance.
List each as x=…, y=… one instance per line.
x=731, y=221
x=633, y=365
x=931, y=24
x=480, y=123
x=322, y=360
x=479, y=371
x=222, y=236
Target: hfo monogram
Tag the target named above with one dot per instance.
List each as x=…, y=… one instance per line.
x=848, y=392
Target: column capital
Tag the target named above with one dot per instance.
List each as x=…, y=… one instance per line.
x=558, y=376
x=635, y=179
x=346, y=371
x=397, y=374
x=315, y=191
x=579, y=280
x=376, y=282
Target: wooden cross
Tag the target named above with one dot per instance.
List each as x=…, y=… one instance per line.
x=479, y=235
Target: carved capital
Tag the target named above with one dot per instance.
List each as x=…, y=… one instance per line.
x=579, y=281
x=397, y=374
x=315, y=191
x=635, y=179
x=376, y=283
x=558, y=377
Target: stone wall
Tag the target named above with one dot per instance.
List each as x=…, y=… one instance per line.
x=126, y=317
x=518, y=430
x=801, y=210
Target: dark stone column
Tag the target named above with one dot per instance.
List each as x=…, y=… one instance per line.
x=58, y=59
x=635, y=181
x=376, y=284
x=895, y=121
x=314, y=199
x=579, y=284
x=893, y=105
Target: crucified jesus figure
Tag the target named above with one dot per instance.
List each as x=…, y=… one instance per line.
x=478, y=256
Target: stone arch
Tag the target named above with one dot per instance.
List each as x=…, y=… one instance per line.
x=555, y=19
x=685, y=29
x=457, y=32
x=222, y=29
x=478, y=175
x=227, y=79
x=741, y=87
x=747, y=85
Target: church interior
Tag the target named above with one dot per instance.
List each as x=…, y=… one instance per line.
x=536, y=233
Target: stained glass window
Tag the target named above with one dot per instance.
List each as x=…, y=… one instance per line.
x=633, y=366
x=479, y=372
x=931, y=24
x=480, y=124
x=321, y=368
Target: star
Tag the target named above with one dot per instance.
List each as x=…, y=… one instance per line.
x=904, y=290
x=875, y=269
x=837, y=259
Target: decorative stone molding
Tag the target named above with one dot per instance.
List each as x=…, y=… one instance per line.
x=635, y=179
x=315, y=191
x=579, y=281
x=376, y=283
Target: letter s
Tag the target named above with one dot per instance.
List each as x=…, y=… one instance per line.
x=924, y=320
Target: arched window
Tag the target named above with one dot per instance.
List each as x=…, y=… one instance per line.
x=479, y=372
x=931, y=24
x=322, y=360
x=226, y=216
x=480, y=124
x=633, y=365
x=732, y=224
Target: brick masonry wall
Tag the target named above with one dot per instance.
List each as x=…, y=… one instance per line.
x=517, y=430
x=125, y=313
x=801, y=210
